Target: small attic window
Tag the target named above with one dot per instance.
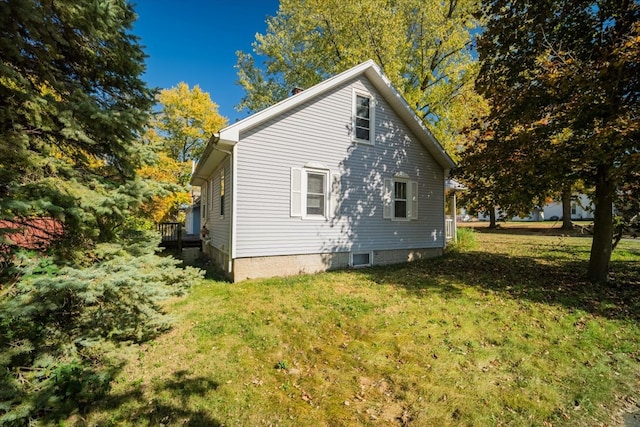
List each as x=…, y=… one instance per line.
x=362, y=117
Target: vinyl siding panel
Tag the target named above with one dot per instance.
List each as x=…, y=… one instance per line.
x=320, y=132
x=219, y=225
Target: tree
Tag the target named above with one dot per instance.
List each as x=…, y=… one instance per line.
x=72, y=104
x=72, y=109
x=185, y=122
x=178, y=133
x=423, y=47
x=562, y=81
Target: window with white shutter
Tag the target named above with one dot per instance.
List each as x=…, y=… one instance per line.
x=315, y=192
x=400, y=198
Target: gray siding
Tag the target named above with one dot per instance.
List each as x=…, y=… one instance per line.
x=217, y=224
x=319, y=131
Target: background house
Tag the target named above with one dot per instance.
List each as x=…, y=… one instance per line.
x=581, y=209
x=340, y=174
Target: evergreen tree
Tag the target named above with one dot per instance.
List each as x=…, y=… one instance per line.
x=72, y=108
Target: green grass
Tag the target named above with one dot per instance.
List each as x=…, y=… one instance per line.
x=506, y=334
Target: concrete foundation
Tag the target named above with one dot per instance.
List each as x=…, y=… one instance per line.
x=219, y=257
x=288, y=265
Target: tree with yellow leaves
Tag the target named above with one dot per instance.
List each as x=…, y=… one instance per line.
x=188, y=117
x=178, y=132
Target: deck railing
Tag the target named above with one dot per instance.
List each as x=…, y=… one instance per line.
x=171, y=233
x=450, y=229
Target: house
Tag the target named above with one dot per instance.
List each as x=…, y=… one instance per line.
x=30, y=233
x=192, y=218
x=581, y=209
x=342, y=174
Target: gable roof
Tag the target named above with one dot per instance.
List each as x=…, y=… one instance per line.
x=230, y=135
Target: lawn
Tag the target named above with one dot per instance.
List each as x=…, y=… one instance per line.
x=506, y=333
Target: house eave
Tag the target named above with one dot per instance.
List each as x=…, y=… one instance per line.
x=214, y=153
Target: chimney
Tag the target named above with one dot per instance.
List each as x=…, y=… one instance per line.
x=296, y=90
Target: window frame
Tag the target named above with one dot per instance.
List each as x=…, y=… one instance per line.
x=396, y=199
x=368, y=253
x=203, y=199
x=354, y=134
x=411, y=198
x=221, y=193
x=299, y=191
x=306, y=171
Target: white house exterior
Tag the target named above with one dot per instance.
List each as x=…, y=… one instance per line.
x=581, y=208
x=343, y=174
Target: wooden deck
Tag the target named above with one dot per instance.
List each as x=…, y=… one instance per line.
x=173, y=236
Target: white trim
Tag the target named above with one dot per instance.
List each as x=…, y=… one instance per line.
x=327, y=195
x=233, y=204
x=387, y=198
x=335, y=190
x=295, y=191
x=355, y=92
x=315, y=165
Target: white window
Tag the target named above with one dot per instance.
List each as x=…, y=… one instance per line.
x=400, y=198
x=222, y=192
x=212, y=196
x=315, y=192
x=203, y=200
x=363, y=117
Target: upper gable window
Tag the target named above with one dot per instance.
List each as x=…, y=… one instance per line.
x=362, y=117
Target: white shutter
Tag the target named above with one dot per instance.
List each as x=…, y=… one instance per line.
x=336, y=194
x=387, y=198
x=296, y=192
x=413, y=198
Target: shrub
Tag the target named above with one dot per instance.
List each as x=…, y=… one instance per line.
x=466, y=240
x=60, y=324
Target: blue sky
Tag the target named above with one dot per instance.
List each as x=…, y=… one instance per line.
x=194, y=41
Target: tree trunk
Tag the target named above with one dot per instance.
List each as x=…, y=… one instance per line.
x=566, y=207
x=602, y=229
x=492, y=217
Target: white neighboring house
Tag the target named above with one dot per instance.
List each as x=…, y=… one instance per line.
x=342, y=174
x=582, y=208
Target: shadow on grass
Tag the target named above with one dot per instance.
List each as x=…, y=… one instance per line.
x=137, y=407
x=562, y=282
x=531, y=230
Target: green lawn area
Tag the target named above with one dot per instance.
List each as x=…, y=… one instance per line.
x=508, y=333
